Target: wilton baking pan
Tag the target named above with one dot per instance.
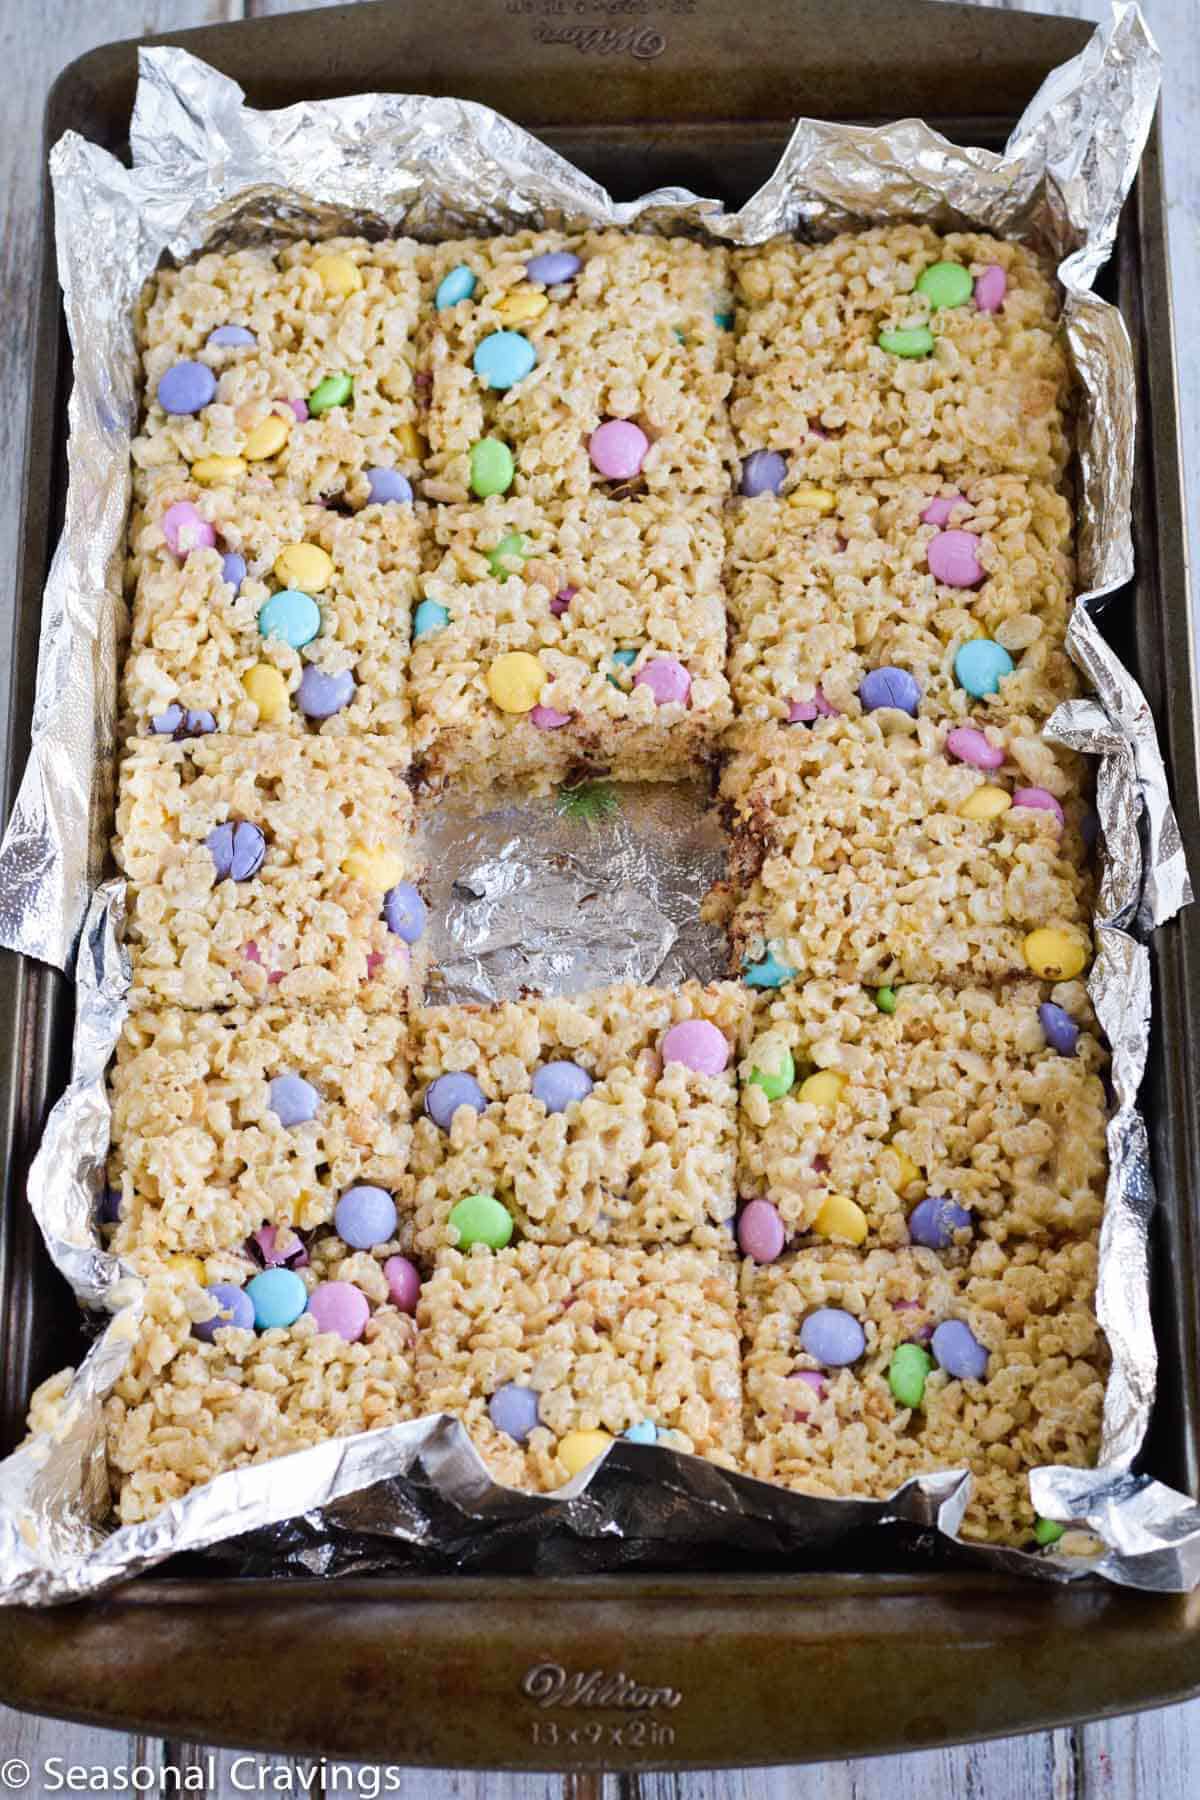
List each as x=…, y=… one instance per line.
x=634, y=1671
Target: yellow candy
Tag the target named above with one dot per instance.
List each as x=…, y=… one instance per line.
x=820, y=499
x=337, y=274
x=520, y=305
x=841, y=1218
x=267, y=439
x=377, y=867
x=909, y=1171
x=409, y=440
x=1054, y=955
x=188, y=1265
x=579, y=1448
x=269, y=692
x=822, y=1089
x=212, y=469
x=304, y=566
x=515, y=681
x=985, y=803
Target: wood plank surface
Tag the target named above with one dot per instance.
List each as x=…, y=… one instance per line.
x=1155, y=1755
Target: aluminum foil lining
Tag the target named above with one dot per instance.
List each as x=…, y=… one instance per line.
x=528, y=896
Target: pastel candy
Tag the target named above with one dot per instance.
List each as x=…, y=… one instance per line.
x=803, y=712
x=981, y=665
x=953, y=558
x=293, y=1100
x=447, y=1093
x=990, y=288
x=233, y=569
x=404, y=912
x=187, y=387
x=458, y=285
x=235, y=1309
x=698, y=1045
x=237, y=849
x=548, y=718
x=186, y=530
x=890, y=687
x=179, y=723
x=618, y=449
x=958, y=1351
x=667, y=680
x=331, y=391
x=934, y=1222
x=340, y=1307
x=1061, y=1031
x=404, y=1283
x=908, y=1372
x=939, y=509
x=1040, y=800
x=388, y=486
x=553, y=267
x=763, y=472
x=945, y=284
x=492, y=468
x=481, y=1219
x=428, y=618
x=776, y=1082
x=228, y=337
x=760, y=1232
x=502, y=359
x=320, y=696
x=644, y=1432
x=560, y=1084
x=769, y=973
x=971, y=746
x=513, y=1409
x=833, y=1337
x=365, y=1216
x=291, y=615
x=278, y=1297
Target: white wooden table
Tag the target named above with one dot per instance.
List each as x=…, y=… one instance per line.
x=1155, y=1755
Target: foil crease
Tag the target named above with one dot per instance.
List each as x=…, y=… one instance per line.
x=210, y=173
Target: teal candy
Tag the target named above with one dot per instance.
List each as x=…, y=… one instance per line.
x=291, y=615
x=503, y=359
x=769, y=973
x=724, y=320
x=626, y=660
x=278, y=1297
x=644, y=1432
x=981, y=666
x=429, y=617
x=458, y=285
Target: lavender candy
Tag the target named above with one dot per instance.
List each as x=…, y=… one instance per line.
x=1062, y=1033
x=187, y=387
x=934, y=1222
x=237, y=850
x=957, y=1350
x=404, y=912
x=293, y=1100
x=444, y=1096
x=319, y=696
x=513, y=1409
x=236, y=1309
x=890, y=687
x=365, y=1216
x=558, y=1084
x=834, y=1337
x=763, y=472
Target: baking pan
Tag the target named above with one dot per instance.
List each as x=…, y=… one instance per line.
x=735, y=1666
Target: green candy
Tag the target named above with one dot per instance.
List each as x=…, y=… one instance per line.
x=775, y=1083
x=510, y=548
x=480, y=1219
x=907, y=1372
x=1047, y=1531
x=946, y=284
x=492, y=468
x=335, y=390
x=885, y=999
x=917, y=341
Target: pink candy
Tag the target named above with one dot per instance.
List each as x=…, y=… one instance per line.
x=697, y=1045
x=760, y=1232
x=252, y=954
x=1040, y=800
x=185, y=530
x=299, y=408
x=341, y=1307
x=953, y=558
x=803, y=712
x=562, y=600
x=280, y=1248
x=548, y=718
x=939, y=509
x=970, y=746
x=667, y=680
x=990, y=288
x=618, y=449
x=813, y=1379
x=397, y=951
x=404, y=1283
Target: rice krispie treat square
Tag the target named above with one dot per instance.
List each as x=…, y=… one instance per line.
x=1001, y=1369
x=897, y=351
x=297, y=364
x=539, y=341
x=828, y=585
x=262, y=868
x=293, y=618
x=610, y=1116
x=264, y=1116
x=588, y=636
x=933, y=1116
x=186, y=1410
x=547, y=1353
x=867, y=853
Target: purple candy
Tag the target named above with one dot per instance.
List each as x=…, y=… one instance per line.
x=293, y=1100
x=760, y=1232
x=833, y=1337
x=562, y=600
x=226, y=336
x=618, y=449
x=1062, y=1033
x=237, y=850
x=404, y=1283
x=185, y=529
x=811, y=1378
x=934, y=1222
x=953, y=558
x=233, y=569
x=667, y=680
x=957, y=1350
x=404, y=912
x=557, y=1084
x=970, y=746
x=341, y=1307
x=299, y=409
x=387, y=485
x=548, y=718
x=803, y=712
x=763, y=472
x=1041, y=801
x=319, y=695
x=236, y=1309
x=166, y=724
x=553, y=267
x=188, y=387
x=278, y=1248
x=939, y=509
x=890, y=687
x=444, y=1096
x=990, y=288
x=365, y=1216
x=698, y=1045
x=513, y=1409
x=179, y=724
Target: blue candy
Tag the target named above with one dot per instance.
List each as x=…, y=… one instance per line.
x=558, y=1084
x=513, y=1409
x=291, y=615
x=833, y=1337
x=319, y=695
x=293, y=1100
x=933, y=1222
x=1062, y=1033
x=644, y=1432
x=981, y=665
x=186, y=388
x=236, y=1309
x=365, y=1216
x=444, y=1096
x=227, y=336
x=387, y=485
x=458, y=285
x=890, y=687
x=769, y=973
x=429, y=617
x=233, y=569
x=763, y=472
x=278, y=1297
x=553, y=267
x=503, y=359
x=957, y=1350
x=404, y=912
x=237, y=849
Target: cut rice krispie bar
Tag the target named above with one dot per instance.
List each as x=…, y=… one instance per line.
x=646, y=1157
x=954, y=1095
x=259, y=867
x=852, y=859
x=842, y=1431
x=827, y=585
x=976, y=383
x=185, y=1410
x=620, y=608
x=226, y=1122
x=342, y=308
x=641, y=332
x=198, y=645
x=606, y=1338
